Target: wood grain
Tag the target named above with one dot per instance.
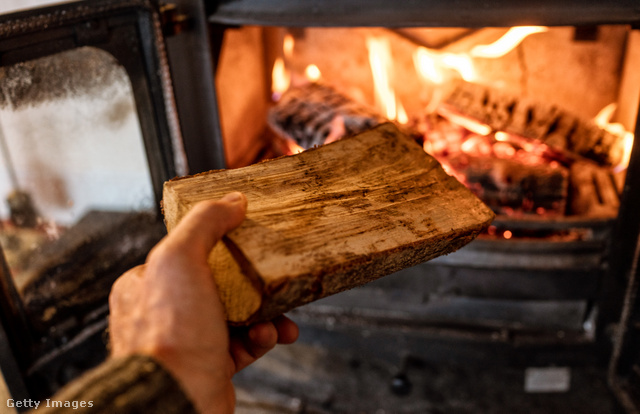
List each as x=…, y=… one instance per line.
x=330, y=219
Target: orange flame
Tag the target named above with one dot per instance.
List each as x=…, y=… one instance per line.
x=288, y=45
x=507, y=42
x=603, y=120
x=280, y=79
x=433, y=66
x=381, y=65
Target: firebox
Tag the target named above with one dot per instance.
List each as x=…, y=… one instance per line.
x=531, y=105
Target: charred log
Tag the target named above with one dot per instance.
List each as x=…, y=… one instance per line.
x=313, y=114
x=507, y=186
x=559, y=129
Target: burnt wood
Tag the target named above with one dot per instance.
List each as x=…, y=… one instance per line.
x=507, y=185
x=329, y=219
x=314, y=113
x=563, y=132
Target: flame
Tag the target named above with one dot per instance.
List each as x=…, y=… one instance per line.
x=312, y=72
x=287, y=45
x=507, y=42
x=603, y=120
x=426, y=63
x=292, y=147
x=381, y=67
x=462, y=64
x=432, y=66
x=280, y=79
x=402, y=116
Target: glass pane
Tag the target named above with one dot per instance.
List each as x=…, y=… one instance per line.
x=78, y=204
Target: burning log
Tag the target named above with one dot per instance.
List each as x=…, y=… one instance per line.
x=556, y=128
x=507, y=185
x=594, y=190
x=315, y=114
x=330, y=219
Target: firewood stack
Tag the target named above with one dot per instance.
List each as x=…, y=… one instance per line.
x=580, y=174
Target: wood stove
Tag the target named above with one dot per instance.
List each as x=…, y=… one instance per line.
x=559, y=300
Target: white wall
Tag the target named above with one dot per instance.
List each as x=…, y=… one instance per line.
x=74, y=154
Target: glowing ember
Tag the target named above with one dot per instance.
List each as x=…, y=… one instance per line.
x=469, y=123
x=507, y=42
x=501, y=136
x=312, y=72
x=507, y=234
x=280, y=79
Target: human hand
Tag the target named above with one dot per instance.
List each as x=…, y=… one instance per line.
x=169, y=309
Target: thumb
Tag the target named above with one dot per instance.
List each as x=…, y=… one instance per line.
x=206, y=223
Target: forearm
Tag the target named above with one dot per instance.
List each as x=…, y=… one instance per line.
x=124, y=385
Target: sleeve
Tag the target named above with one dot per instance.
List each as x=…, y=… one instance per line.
x=135, y=384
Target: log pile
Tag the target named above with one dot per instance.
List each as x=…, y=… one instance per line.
x=330, y=219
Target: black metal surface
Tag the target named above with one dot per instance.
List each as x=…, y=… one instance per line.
x=428, y=13
x=15, y=336
x=624, y=371
x=191, y=54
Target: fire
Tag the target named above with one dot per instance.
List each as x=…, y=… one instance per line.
x=381, y=67
x=426, y=63
x=280, y=79
x=433, y=66
x=603, y=120
x=288, y=45
x=507, y=42
x=312, y=72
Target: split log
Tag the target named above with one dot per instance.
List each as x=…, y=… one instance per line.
x=314, y=113
x=505, y=184
x=594, y=191
x=559, y=129
x=330, y=219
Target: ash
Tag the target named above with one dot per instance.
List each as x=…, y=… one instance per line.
x=84, y=71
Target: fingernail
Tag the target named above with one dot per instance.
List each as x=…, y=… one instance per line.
x=233, y=197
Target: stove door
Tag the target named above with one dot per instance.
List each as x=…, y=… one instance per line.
x=94, y=43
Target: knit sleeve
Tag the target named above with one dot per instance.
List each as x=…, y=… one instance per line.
x=135, y=384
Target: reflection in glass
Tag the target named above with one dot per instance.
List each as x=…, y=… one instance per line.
x=77, y=201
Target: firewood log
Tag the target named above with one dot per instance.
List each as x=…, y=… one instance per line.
x=594, y=191
x=329, y=219
x=309, y=114
x=506, y=185
x=559, y=129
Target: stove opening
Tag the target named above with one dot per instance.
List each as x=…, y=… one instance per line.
x=535, y=120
